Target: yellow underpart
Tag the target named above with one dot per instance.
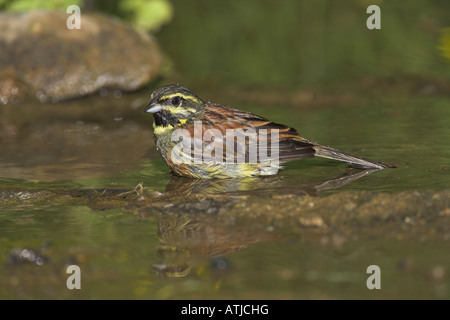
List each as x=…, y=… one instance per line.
x=182, y=96
x=247, y=169
x=161, y=129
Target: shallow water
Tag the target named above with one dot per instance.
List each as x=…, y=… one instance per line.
x=280, y=237
x=82, y=184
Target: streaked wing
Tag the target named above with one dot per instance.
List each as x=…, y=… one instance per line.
x=260, y=135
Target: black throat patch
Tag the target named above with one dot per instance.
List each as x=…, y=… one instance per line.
x=165, y=118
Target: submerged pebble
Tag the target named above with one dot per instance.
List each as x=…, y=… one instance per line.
x=18, y=256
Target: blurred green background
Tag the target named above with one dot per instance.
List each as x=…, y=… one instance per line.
x=301, y=42
x=285, y=43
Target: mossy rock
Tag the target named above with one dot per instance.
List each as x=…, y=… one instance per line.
x=40, y=57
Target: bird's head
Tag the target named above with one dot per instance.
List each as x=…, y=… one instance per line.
x=174, y=105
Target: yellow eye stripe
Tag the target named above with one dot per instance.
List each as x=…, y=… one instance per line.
x=178, y=109
x=186, y=97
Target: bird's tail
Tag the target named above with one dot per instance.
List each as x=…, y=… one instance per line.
x=354, y=161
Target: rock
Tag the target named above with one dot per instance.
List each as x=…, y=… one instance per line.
x=41, y=57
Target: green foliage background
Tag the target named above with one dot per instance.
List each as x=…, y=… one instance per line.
x=145, y=14
x=25, y=5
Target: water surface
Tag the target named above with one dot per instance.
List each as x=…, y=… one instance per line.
x=256, y=238
x=81, y=182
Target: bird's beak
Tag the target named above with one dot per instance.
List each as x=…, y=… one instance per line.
x=153, y=107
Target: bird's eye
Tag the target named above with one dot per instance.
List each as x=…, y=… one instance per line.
x=175, y=101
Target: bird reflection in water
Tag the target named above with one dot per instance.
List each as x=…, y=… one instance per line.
x=205, y=228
